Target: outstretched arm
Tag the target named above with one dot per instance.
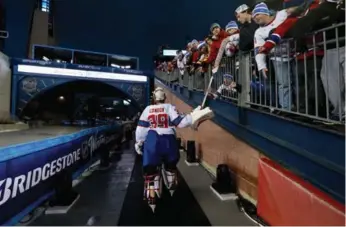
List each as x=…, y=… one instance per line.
x=179, y=120
x=259, y=57
x=221, y=51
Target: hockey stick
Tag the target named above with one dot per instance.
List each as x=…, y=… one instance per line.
x=205, y=97
x=207, y=91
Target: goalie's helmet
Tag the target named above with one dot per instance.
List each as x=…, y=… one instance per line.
x=159, y=94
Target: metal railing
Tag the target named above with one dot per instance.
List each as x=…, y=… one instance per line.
x=306, y=80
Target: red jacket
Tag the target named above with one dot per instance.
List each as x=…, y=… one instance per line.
x=195, y=56
x=311, y=52
x=282, y=29
x=215, y=46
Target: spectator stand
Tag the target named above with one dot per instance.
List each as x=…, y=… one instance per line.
x=307, y=90
x=302, y=92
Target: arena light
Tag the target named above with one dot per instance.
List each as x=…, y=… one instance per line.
x=80, y=73
x=115, y=66
x=170, y=52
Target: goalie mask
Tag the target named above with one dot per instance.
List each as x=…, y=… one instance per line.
x=159, y=94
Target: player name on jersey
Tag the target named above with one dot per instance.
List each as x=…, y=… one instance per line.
x=157, y=110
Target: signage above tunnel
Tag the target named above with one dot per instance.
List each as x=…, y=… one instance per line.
x=32, y=78
x=43, y=70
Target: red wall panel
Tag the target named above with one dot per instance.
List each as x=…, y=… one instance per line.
x=285, y=199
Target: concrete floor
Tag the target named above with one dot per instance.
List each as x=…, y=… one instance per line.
x=115, y=197
x=223, y=213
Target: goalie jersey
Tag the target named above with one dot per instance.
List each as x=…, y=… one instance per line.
x=162, y=118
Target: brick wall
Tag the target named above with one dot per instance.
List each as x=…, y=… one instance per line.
x=215, y=146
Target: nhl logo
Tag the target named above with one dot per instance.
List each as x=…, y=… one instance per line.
x=29, y=84
x=137, y=92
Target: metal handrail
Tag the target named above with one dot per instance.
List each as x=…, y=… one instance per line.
x=304, y=87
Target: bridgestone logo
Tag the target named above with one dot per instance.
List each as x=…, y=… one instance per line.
x=11, y=187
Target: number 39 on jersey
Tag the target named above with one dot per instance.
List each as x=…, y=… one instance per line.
x=160, y=120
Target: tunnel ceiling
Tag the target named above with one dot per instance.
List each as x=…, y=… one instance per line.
x=71, y=92
x=83, y=86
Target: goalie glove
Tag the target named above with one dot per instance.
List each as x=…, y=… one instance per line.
x=196, y=109
x=199, y=115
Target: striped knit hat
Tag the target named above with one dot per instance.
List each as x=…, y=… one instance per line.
x=201, y=44
x=194, y=41
x=260, y=8
x=231, y=25
x=228, y=76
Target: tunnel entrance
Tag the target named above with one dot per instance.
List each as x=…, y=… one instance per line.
x=81, y=100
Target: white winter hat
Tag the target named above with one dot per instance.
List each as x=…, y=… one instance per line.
x=241, y=8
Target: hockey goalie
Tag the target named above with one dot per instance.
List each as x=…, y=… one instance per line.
x=156, y=141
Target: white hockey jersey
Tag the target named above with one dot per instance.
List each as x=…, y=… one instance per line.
x=233, y=40
x=186, y=58
x=162, y=118
x=228, y=88
x=262, y=33
x=181, y=66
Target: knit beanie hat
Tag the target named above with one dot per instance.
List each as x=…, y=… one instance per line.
x=214, y=25
x=228, y=76
x=194, y=42
x=231, y=25
x=242, y=8
x=260, y=8
x=201, y=44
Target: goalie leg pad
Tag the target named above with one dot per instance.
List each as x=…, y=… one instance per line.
x=170, y=176
x=172, y=180
x=152, y=184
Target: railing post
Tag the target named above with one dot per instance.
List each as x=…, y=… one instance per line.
x=181, y=78
x=244, y=79
x=198, y=83
x=191, y=81
x=207, y=78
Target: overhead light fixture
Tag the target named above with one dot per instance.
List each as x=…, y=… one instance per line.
x=115, y=66
x=122, y=58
